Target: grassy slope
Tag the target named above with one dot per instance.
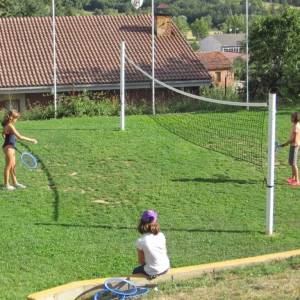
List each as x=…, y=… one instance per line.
x=77, y=218
x=277, y=280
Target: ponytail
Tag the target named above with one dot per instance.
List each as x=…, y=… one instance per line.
x=11, y=115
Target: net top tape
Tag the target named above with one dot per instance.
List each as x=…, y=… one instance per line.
x=201, y=98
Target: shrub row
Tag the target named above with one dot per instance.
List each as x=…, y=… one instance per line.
x=97, y=104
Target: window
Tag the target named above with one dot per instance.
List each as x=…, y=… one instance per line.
x=236, y=49
x=218, y=76
x=12, y=104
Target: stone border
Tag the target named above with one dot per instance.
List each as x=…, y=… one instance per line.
x=74, y=290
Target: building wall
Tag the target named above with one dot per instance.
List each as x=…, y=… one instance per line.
x=222, y=77
x=13, y=101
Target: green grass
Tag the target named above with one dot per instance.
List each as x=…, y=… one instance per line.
x=276, y=280
x=77, y=218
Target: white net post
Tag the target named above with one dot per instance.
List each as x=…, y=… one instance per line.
x=153, y=56
x=54, y=58
x=122, y=86
x=271, y=164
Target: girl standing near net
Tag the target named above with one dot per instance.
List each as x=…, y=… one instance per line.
x=151, y=247
x=294, y=142
x=10, y=135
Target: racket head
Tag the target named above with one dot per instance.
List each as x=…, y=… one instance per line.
x=119, y=286
x=277, y=146
x=28, y=160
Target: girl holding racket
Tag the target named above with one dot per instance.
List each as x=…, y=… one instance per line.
x=10, y=135
x=151, y=247
x=294, y=142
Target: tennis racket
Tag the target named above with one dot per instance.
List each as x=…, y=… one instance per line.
x=277, y=146
x=28, y=160
x=121, y=288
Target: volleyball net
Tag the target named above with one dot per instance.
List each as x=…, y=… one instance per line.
x=233, y=128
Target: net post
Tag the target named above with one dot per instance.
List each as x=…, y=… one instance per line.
x=271, y=165
x=54, y=58
x=122, y=86
x=153, y=55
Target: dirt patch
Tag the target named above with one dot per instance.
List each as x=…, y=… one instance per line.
x=101, y=201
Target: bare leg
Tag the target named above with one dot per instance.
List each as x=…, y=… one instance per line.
x=295, y=173
x=6, y=171
x=13, y=171
x=9, y=162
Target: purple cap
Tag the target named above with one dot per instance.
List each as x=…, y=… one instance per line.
x=149, y=216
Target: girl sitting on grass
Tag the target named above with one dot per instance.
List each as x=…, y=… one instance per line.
x=10, y=135
x=151, y=247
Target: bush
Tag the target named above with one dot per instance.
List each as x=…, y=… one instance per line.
x=95, y=104
x=38, y=112
x=219, y=93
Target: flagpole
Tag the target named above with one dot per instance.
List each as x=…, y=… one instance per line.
x=54, y=57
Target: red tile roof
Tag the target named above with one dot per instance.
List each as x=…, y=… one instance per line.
x=232, y=56
x=88, y=51
x=214, y=60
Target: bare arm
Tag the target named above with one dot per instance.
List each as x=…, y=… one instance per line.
x=141, y=257
x=291, y=140
x=21, y=137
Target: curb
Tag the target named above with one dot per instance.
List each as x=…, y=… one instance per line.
x=76, y=290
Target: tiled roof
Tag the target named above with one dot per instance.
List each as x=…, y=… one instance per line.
x=232, y=56
x=214, y=60
x=230, y=39
x=88, y=51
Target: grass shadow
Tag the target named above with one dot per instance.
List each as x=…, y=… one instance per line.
x=217, y=179
x=133, y=228
x=51, y=182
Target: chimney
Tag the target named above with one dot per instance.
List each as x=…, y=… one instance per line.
x=163, y=20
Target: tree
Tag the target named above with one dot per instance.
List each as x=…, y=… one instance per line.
x=274, y=48
x=234, y=24
x=182, y=24
x=239, y=67
x=25, y=8
x=200, y=28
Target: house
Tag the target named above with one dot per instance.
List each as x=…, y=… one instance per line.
x=223, y=42
x=232, y=56
x=88, y=57
x=219, y=67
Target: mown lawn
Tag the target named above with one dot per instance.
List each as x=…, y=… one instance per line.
x=77, y=218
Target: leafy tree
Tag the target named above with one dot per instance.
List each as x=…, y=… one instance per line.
x=182, y=24
x=195, y=45
x=239, y=67
x=200, y=28
x=274, y=48
x=234, y=24
x=23, y=8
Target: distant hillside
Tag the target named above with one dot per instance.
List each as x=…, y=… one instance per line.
x=216, y=10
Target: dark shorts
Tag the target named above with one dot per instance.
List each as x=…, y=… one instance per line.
x=293, y=155
x=140, y=270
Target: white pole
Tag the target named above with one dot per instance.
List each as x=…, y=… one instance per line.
x=271, y=164
x=54, y=57
x=122, y=87
x=153, y=59
x=247, y=55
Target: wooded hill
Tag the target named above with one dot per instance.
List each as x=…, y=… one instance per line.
x=217, y=11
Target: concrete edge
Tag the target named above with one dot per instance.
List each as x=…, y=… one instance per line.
x=75, y=289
